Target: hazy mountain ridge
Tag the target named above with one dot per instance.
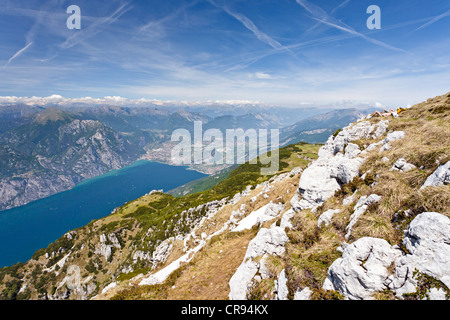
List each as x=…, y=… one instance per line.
x=49, y=149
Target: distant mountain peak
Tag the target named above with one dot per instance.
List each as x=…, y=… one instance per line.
x=53, y=115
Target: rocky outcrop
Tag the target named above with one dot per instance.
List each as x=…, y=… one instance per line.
x=159, y=255
x=338, y=164
x=428, y=243
x=325, y=218
x=323, y=178
x=106, y=245
x=268, y=241
x=364, y=267
x=440, y=177
x=353, y=132
x=263, y=214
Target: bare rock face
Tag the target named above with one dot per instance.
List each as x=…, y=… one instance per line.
x=338, y=164
x=263, y=214
x=267, y=241
x=360, y=130
x=428, y=243
x=323, y=177
x=440, y=177
x=363, y=268
x=325, y=218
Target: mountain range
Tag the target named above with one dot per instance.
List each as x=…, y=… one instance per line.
x=48, y=149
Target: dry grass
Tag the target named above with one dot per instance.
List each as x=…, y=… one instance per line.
x=309, y=253
x=312, y=250
x=426, y=146
x=207, y=276
x=374, y=225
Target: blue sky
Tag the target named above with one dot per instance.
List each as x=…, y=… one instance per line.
x=274, y=51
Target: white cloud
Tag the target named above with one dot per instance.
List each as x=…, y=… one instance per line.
x=260, y=75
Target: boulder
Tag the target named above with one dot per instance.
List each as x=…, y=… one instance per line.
x=348, y=200
x=402, y=166
x=325, y=218
x=282, y=289
x=440, y=177
x=286, y=219
x=428, y=243
x=324, y=177
x=392, y=136
x=263, y=214
x=351, y=150
x=363, y=268
x=353, y=132
x=267, y=241
x=303, y=294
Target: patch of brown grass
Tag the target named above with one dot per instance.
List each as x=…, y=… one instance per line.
x=207, y=276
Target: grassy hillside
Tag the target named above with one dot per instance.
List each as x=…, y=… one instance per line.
x=201, y=184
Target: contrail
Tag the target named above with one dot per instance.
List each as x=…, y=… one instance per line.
x=18, y=53
x=320, y=15
x=94, y=28
x=246, y=22
x=439, y=17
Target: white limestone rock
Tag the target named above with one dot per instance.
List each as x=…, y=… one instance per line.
x=304, y=294
x=392, y=136
x=440, y=177
x=436, y=294
x=428, y=243
x=323, y=177
x=348, y=200
x=282, y=289
x=286, y=219
x=267, y=241
x=263, y=214
x=162, y=252
x=333, y=168
x=380, y=128
x=351, y=151
x=353, y=132
x=402, y=166
x=359, y=210
x=325, y=218
x=362, y=269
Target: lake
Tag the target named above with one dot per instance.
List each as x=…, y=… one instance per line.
x=25, y=229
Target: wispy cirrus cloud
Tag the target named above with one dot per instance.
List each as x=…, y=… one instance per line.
x=320, y=15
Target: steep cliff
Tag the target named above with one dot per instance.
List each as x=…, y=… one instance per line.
x=54, y=152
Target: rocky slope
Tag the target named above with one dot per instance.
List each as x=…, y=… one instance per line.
x=366, y=216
